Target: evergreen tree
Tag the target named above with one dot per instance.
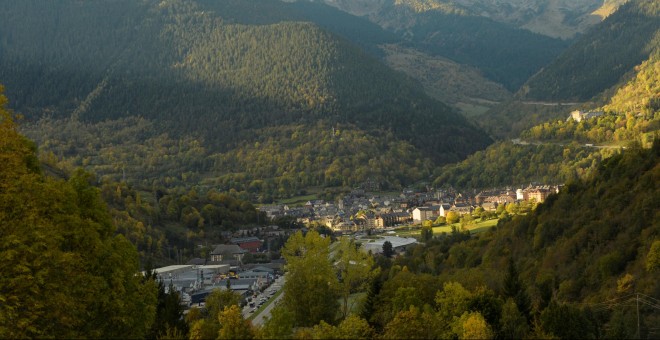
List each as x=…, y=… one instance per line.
x=169, y=313
x=566, y=322
x=513, y=325
x=388, y=251
x=514, y=288
x=368, y=306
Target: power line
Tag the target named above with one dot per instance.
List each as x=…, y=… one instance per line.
x=607, y=302
x=635, y=298
x=650, y=298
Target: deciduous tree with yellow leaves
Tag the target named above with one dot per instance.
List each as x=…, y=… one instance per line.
x=65, y=273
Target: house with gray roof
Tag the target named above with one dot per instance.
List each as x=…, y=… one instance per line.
x=225, y=252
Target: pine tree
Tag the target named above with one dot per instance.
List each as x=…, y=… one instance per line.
x=368, y=306
x=388, y=251
x=514, y=288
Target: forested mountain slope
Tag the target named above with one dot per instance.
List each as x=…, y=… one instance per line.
x=561, y=19
x=563, y=148
x=193, y=70
x=632, y=113
x=508, y=164
x=601, y=228
x=504, y=53
x=599, y=59
x=459, y=85
x=642, y=92
x=359, y=30
x=586, y=76
x=581, y=256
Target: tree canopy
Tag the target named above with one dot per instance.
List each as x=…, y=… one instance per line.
x=190, y=91
x=310, y=290
x=66, y=273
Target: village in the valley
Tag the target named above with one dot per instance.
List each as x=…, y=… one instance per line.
x=247, y=263
x=360, y=211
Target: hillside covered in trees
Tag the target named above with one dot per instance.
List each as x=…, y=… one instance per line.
x=509, y=164
x=586, y=75
x=581, y=265
x=576, y=267
x=563, y=149
x=66, y=272
x=550, y=144
x=195, y=74
x=504, y=53
x=599, y=59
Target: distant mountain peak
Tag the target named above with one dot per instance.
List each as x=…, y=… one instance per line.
x=558, y=19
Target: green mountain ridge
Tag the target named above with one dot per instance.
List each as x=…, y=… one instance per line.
x=504, y=53
x=631, y=113
x=601, y=57
x=359, y=30
x=587, y=75
x=554, y=151
x=560, y=19
x=506, y=163
x=195, y=73
x=459, y=85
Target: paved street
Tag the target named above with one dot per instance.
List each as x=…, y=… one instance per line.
x=261, y=318
x=275, y=287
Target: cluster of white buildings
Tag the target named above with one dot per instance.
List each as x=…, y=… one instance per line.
x=359, y=211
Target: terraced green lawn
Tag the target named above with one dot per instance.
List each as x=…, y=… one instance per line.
x=477, y=228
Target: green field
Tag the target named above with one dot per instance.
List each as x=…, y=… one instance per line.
x=476, y=228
